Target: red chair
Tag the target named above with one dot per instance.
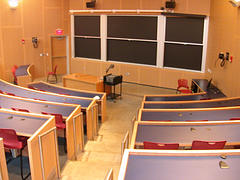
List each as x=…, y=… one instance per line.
x=53, y=74
x=183, y=86
x=10, y=94
x=12, y=141
x=203, y=145
x=195, y=120
x=235, y=118
x=59, y=124
x=39, y=99
x=19, y=109
x=152, y=145
x=31, y=87
x=14, y=68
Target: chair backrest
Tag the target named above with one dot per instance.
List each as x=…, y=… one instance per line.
x=11, y=94
x=31, y=87
x=14, y=68
x=55, y=69
x=235, y=118
x=183, y=83
x=153, y=145
x=10, y=139
x=58, y=117
x=203, y=145
x=19, y=109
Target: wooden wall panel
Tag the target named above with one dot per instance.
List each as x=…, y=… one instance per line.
x=77, y=65
x=13, y=49
x=110, y=4
x=135, y=73
x=76, y=4
x=126, y=4
x=149, y=75
x=93, y=68
x=223, y=37
x=32, y=26
x=154, y=4
x=195, y=7
x=53, y=4
x=52, y=20
x=130, y=73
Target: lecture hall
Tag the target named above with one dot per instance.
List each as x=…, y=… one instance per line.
x=119, y=89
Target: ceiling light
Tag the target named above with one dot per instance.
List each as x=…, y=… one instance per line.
x=13, y=3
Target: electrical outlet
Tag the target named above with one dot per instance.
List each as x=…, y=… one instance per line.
x=209, y=70
x=127, y=74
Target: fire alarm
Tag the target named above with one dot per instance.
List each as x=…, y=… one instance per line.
x=23, y=41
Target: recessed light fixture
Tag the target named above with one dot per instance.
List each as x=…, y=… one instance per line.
x=13, y=3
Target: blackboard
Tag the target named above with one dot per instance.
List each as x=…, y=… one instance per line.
x=185, y=29
x=183, y=56
x=140, y=52
x=87, y=26
x=87, y=47
x=134, y=27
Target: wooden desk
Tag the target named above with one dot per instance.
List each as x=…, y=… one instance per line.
x=83, y=82
x=24, y=75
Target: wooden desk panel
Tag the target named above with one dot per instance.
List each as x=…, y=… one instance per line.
x=83, y=82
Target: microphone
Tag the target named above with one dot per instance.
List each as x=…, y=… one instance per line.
x=110, y=67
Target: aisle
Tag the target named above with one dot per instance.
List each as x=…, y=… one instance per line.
x=105, y=152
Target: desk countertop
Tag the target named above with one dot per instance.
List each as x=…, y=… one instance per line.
x=84, y=78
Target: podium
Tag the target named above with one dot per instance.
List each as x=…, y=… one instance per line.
x=111, y=81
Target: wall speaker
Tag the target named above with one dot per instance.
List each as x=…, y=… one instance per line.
x=91, y=4
x=170, y=4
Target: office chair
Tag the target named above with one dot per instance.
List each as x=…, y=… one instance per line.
x=19, y=109
x=60, y=125
x=52, y=74
x=183, y=86
x=14, y=68
x=152, y=145
x=12, y=141
x=204, y=145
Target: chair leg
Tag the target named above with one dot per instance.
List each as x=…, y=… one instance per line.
x=56, y=77
x=47, y=78
x=21, y=167
x=65, y=141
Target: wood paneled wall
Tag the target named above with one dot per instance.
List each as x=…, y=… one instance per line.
x=41, y=17
x=32, y=18
x=224, y=36
x=135, y=73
